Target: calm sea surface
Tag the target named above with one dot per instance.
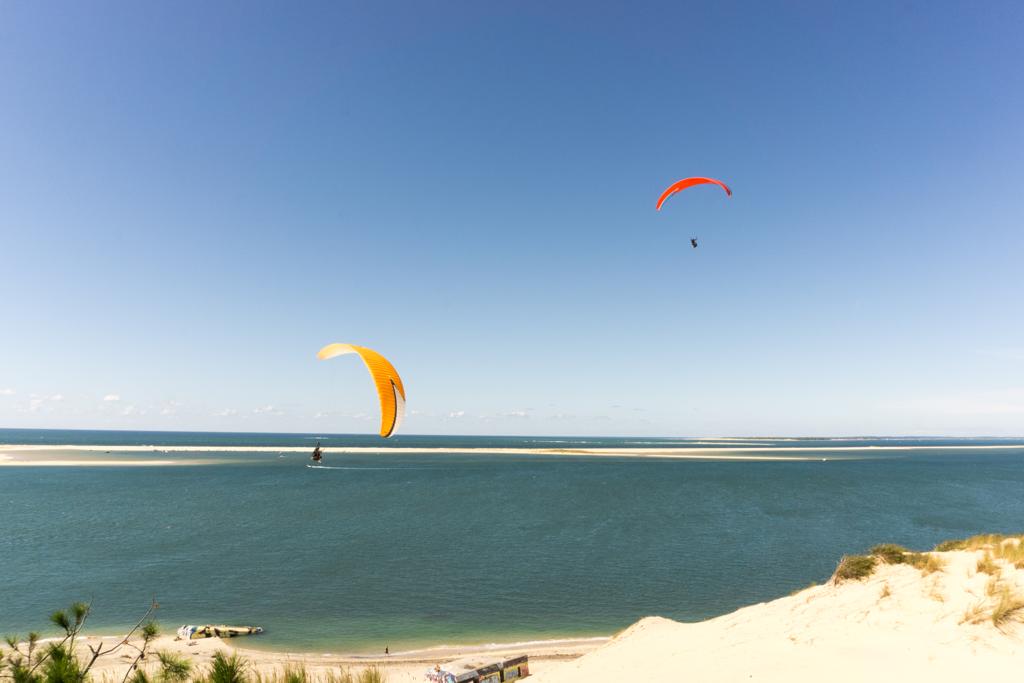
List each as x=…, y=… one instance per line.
x=408, y=550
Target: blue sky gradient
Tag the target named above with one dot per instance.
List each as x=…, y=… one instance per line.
x=197, y=196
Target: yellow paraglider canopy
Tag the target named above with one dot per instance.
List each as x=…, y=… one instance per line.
x=389, y=384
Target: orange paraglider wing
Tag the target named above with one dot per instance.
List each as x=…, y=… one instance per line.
x=689, y=182
x=390, y=391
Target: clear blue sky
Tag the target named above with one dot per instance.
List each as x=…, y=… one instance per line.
x=194, y=197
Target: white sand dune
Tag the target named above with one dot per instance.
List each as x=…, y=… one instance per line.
x=898, y=625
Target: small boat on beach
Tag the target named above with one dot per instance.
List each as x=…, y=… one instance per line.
x=193, y=632
x=480, y=670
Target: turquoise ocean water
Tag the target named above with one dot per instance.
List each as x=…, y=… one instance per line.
x=409, y=550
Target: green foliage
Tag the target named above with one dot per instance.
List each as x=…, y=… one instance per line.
x=226, y=669
x=139, y=677
x=926, y=562
x=20, y=672
x=173, y=667
x=58, y=661
x=340, y=676
x=890, y=553
x=80, y=611
x=149, y=631
x=950, y=545
x=61, y=621
x=61, y=666
x=295, y=675
x=854, y=567
x=372, y=674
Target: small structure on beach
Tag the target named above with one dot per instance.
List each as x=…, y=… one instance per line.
x=193, y=632
x=477, y=670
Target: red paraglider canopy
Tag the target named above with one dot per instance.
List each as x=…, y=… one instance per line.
x=689, y=182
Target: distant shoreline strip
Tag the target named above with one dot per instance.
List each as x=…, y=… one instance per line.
x=29, y=454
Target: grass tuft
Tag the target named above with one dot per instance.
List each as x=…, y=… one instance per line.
x=987, y=565
x=173, y=667
x=928, y=563
x=890, y=553
x=950, y=545
x=226, y=669
x=1009, y=606
x=854, y=567
x=339, y=676
x=295, y=674
x=372, y=674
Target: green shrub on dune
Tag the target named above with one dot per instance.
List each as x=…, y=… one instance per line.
x=890, y=553
x=854, y=567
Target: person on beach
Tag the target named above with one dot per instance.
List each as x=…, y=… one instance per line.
x=386, y=652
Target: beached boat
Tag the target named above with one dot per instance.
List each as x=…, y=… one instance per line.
x=476, y=670
x=193, y=632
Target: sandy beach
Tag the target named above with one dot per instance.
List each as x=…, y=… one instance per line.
x=399, y=667
x=940, y=616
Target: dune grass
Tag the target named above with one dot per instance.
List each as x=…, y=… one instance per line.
x=890, y=553
x=299, y=674
x=1008, y=607
x=926, y=562
x=987, y=565
x=372, y=674
x=854, y=568
x=224, y=669
x=981, y=542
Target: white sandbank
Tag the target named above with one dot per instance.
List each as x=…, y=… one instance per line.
x=35, y=454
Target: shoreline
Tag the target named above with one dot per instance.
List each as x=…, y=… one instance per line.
x=399, y=667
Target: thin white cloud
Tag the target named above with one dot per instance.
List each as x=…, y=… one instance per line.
x=227, y=412
x=132, y=410
x=455, y=414
x=7, y=392
x=170, y=407
x=112, y=397
x=267, y=410
x=36, y=402
x=328, y=413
